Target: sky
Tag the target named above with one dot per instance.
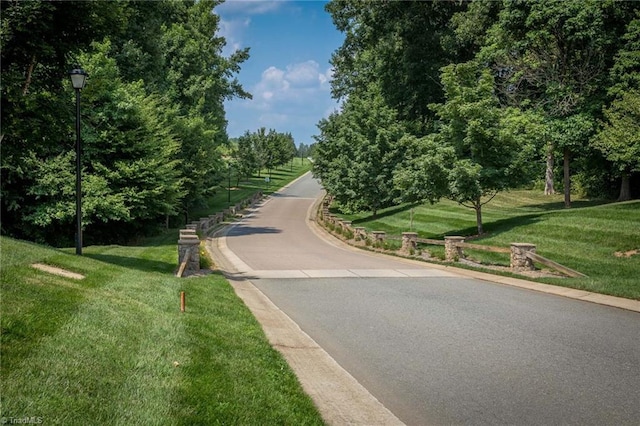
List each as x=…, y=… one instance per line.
x=288, y=71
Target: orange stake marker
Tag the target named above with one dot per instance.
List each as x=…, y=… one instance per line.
x=182, y=302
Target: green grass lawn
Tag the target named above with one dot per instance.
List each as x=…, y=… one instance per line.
x=114, y=348
x=585, y=237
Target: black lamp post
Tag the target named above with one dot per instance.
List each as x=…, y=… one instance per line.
x=78, y=80
x=229, y=184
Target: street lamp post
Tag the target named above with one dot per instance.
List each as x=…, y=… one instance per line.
x=229, y=184
x=78, y=80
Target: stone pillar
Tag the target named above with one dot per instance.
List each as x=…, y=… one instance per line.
x=191, y=226
x=519, y=259
x=451, y=251
x=378, y=237
x=188, y=233
x=346, y=225
x=409, y=242
x=360, y=233
x=190, y=243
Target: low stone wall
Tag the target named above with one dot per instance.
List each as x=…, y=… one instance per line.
x=519, y=260
x=189, y=242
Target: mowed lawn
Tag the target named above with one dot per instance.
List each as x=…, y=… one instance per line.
x=114, y=348
x=601, y=240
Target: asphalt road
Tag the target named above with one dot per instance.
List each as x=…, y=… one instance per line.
x=436, y=348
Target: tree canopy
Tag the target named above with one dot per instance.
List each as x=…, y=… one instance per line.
x=153, y=120
x=481, y=97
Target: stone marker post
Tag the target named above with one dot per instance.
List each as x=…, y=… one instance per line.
x=409, y=242
x=519, y=259
x=451, y=251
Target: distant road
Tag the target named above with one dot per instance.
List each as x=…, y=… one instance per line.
x=436, y=348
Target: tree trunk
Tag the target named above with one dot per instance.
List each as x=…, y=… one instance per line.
x=625, y=190
x=567, y=179
x=27, y=83
x=478, y=208
x=548, y=177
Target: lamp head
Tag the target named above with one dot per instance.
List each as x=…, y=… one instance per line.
x=78, y=78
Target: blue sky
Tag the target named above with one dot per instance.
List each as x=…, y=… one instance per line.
x=288, y=72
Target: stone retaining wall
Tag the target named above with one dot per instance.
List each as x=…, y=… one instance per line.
x=519, y=260
x=189, y=242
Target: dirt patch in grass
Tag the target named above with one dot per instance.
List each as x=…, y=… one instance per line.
x=627, y=253
x=57, y=271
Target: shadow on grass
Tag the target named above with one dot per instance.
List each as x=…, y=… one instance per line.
x=390, y=212
x=491, y=229
x=560, y=205
x=145, y=265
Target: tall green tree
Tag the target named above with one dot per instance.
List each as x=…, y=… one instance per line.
x=398, y=45
x=357, y=152
x=555, y=56
x=491, y=145
x=169, y=83
x=130, y=174
x=619, y=139
x=39, y=45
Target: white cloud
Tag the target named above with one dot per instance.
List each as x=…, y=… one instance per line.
x=249, y=7
x=233, y=30
x=297, y=83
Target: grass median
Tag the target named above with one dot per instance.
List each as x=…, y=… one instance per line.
x=601, y=240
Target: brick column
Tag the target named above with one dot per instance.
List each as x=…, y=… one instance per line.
x=409, y=242
x=378, y=236
x=451, y=251
x=519, y=259
x=189, y=242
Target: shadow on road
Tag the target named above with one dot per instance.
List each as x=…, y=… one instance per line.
x=251, y=230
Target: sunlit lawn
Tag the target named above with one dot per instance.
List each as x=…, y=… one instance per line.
x=585, y=237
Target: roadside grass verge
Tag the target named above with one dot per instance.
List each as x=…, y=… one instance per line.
x=114, y=348
x=591, y=237
x=245, y=188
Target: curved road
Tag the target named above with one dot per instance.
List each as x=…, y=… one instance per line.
x=434, y=347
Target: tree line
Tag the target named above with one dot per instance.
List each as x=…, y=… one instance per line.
x=463, y=99
x=153, y=123
x=256, y=151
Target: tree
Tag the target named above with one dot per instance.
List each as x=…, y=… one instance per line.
x=357, y=152
x=619, y=139
x=39, y=42
x=424, y=174
x=491, y=144
x=246, y=156
x=400, y=46
x=158, y=83
x=555, y=57
x=130, y=174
